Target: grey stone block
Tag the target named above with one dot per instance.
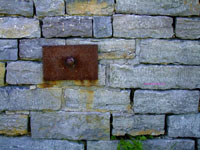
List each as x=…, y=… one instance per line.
x=49, y=7
x=27, y=143
x=184, y=125
x=71, y=125
x=169, y=51
x=168, y=144
x=102, y=26
x=155, y=144
x=92, y=7
x=109, y=48
x=133, y=26
x=8, y=50
x=32, y=48
x=24, y=72
x=13, y=125
x=161, y=7
x=188, y=28
x=19, y=28
x=19, y=7
x=137, y=124
x=67, y=26
x=12, y=98
x=154, y=76
x=97, y=100
x=172, y=101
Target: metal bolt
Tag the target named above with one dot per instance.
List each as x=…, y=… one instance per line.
x=70, y=61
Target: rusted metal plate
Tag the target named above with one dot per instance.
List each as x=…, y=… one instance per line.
x=71, y=62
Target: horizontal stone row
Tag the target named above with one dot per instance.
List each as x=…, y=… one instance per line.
x=154, y=76
x=27, y=72
x=155, y=144
x=150, y=51
x=125, y=26
x=100, y=7
x=96, y=125
x=13, y=143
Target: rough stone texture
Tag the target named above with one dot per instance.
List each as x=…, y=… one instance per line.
x=165, y=144
x=102, y=27
x=184, y=125
x=172, y=101
x=188, y=28
x=133, y=26
x=8, y=50
x=24, y=72
x=27, y=143
x=161, y=7
x=156, y=144
x=13, y=125
x=49, y=7
x=19, y=28
x=137, y=124
x=156, y=51
x=71, y=125
x=16, y=7
x=32, y=48
x=97, y=100
x=109, y=48
x=92, y=7
x=154, y=77
x=86, y=83
x=2, y=73
x=67, y=26
x=12, y=98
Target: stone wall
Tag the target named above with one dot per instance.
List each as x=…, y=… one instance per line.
x=148, y=81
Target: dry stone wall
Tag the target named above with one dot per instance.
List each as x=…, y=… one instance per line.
x=148, y=74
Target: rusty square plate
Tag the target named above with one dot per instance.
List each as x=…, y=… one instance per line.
x=71, y=62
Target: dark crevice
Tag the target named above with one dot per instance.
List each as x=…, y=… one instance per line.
x=18, y=49
x=196, y=144
x=112, y=26
x=34, y=9
x=29, y=125
x=174, y=27
x=65, y=5
x=111, y=125
x=85, y=144
x=5, y=73
x=132, y=99
x=166, y=127
x=41, y=24
x=92, y=27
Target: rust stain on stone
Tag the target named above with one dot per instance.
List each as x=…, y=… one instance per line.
x=87, y=7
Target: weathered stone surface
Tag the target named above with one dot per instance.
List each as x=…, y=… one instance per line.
x=22, y=143
x=156, y=51
x=13, y=124
x=172, y=101
x=161, y=7
x=8, y=50
x=102, y=26
x=137, y=124
x=154, y=77
x=67, y=26
x=198, y=142
x=184, y=125
x=49, y=7
x=97, y=100
x=2, y=73
x=156, y=144
x=19, y=7
x=86, y=83
x=32, y=48
x=92, y=7
x=71, y=125
x=165, y=144
x=109, y=48
x=12, y=98
x=188, y=28
x=24, y=72
x=133, y=26
x=19, y=28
